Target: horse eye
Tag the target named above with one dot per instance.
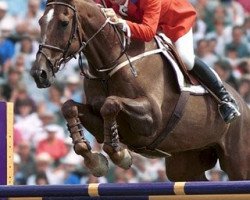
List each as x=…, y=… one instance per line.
x=65, y=23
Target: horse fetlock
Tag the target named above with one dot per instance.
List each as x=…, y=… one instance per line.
x=108, y=149
x=69, y=109
x=81, y=148
x=120, y=157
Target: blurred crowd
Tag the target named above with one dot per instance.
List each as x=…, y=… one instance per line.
x=43, y=149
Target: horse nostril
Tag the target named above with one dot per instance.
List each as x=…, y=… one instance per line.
x=43, y=74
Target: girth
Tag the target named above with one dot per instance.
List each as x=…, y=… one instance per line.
x=176, y=116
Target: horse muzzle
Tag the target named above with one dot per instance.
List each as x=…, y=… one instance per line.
x=41, y=77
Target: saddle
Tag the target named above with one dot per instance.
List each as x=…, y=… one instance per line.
x=163, y=40
x=185, y=80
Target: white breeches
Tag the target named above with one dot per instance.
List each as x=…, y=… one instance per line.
x=185, y=48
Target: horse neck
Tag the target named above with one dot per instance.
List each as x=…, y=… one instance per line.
x=105, y=47
x=102, y=52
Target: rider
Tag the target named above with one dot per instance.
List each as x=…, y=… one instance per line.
x=175, y=18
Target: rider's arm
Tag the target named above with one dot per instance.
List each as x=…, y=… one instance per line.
x=145, y=30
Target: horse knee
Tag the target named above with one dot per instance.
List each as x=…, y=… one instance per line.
x=69, y=109
x=111, y=107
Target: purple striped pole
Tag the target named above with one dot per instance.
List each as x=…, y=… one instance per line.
x=132, y=189
x=6, y=143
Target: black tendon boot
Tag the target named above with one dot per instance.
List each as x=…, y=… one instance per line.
x=228, y=108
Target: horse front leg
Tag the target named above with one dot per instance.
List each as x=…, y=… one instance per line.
x=138, y=111
x=97, y=163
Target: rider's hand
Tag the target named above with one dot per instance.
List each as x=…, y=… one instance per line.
x=114, y=19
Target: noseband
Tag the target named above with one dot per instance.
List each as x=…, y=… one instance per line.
x=74, y=33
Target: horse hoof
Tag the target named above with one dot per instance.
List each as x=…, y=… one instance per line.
x=99, y=167
x=126, y=162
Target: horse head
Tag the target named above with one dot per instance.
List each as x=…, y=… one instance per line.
x=69, y=27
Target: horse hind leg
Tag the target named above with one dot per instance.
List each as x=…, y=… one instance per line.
x=97, y=163
x=119, y=156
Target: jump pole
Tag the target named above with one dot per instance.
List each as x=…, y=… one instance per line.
x=231, y=190
x=6, y=143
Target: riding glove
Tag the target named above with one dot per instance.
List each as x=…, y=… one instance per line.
x=114, y=19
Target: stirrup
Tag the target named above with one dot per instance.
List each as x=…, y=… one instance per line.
x=228, y=111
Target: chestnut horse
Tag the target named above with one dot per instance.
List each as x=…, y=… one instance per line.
x=130, y=107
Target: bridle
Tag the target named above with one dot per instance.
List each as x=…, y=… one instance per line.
x=65, y=57
x=75, y=32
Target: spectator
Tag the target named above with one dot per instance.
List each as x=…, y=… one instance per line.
x=28, y=48
x=204, y=13
x=7, y=22
x=27, y=161
x=238, y=43
x=44, y=164
x=6, y=54
x=242, y=69
x=120, y=175
x=52, y=145
x=9, y=88
x=46, y=119
x=69, y=166
x=140, y=165
x=46, y=116
x=245, y=4
x=204, y=53
x=27, y=121
x=219, y=14
x=224, y=70
x=247, y=29
x=43, y=4
x=161, y=175
x=199, y=31
x=19, y=63
x=19, y=95
x=244, y=88
x=219, y=35
x=17, y=138
x=17, y=8
x=18, y=175
x=28, y=24
x=231, y=56
x=72, y=89
x=53, y=103
x=235, y=12
x=131, y=176
x=41, y=179
x=154, y=168
x=71, y=153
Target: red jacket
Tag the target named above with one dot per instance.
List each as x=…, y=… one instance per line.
x=145, y=17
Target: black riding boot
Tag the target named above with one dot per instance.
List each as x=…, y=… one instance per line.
x=228, y=108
